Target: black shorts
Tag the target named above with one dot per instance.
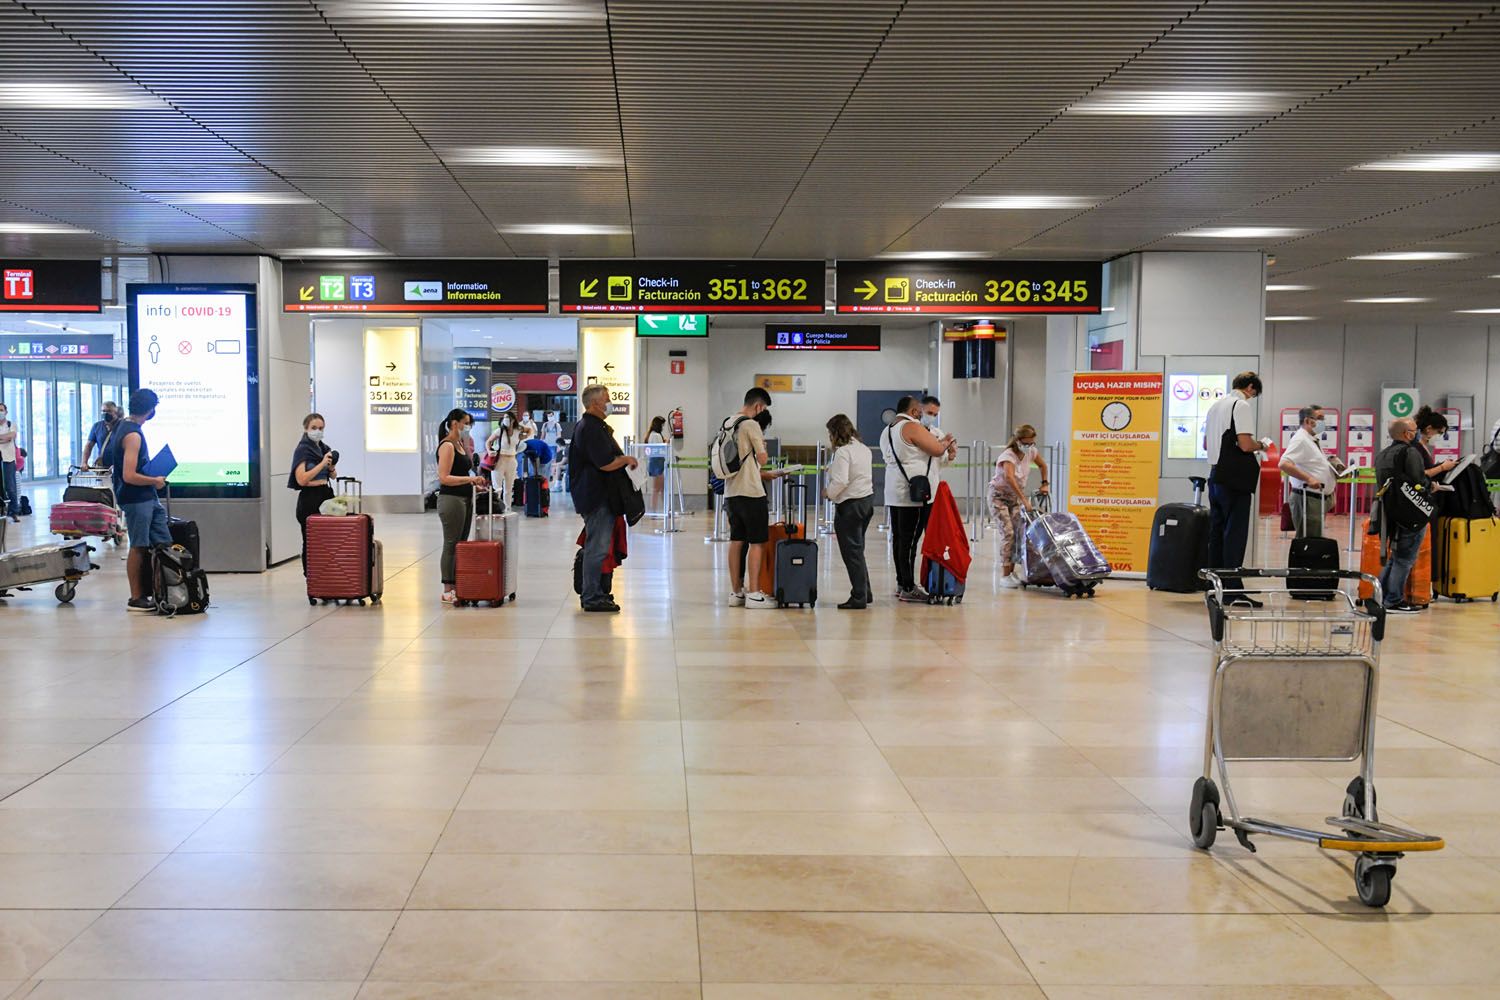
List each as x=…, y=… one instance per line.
x=749, y=519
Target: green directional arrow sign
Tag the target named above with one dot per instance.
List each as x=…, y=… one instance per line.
x=671, y=325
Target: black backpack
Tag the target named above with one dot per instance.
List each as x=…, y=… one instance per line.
x=179, y=586
x=1470, y=496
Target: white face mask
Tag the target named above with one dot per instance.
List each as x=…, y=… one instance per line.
x=315, y=435
x=929, y=420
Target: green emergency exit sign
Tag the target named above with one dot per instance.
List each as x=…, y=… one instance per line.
x=681, y=325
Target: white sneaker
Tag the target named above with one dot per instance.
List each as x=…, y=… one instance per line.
x=736, y=600
x=758, y=602
x=1009, y=582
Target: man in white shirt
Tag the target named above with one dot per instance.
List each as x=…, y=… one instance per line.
x=1233, y=474
x=1312, y=474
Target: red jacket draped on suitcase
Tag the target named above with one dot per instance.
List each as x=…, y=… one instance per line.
x=945, y=542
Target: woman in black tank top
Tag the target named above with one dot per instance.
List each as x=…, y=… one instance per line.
x=456, y=484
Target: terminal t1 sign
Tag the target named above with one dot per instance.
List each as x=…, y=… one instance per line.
x=969, y=287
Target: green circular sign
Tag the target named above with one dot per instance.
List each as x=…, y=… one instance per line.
x=1401, y=404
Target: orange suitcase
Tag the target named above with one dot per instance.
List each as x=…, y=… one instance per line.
x=1418, y=584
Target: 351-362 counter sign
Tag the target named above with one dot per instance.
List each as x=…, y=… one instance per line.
x=691, y=286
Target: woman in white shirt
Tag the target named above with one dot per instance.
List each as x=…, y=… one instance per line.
x=913, y=455
x=1008, y=497
x=851, y=487
x=506, y=440
x=656, y=461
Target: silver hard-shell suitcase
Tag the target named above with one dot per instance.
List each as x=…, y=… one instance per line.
x=506, y=528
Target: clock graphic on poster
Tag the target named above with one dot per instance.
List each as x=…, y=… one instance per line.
x=1115, y=416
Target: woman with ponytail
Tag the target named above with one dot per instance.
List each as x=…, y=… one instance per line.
x=456, y=484
x=1008, y=496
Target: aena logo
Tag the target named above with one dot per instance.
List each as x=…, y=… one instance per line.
x=423, y=291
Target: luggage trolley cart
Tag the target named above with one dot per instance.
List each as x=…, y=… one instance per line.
x=1298, y=682
x=96, y=485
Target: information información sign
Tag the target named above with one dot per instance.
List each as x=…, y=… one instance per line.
x=691, y=286
x=415, y=286
x=194, y=345
x=968, y=287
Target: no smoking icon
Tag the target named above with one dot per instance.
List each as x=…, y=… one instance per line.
x=184, y=347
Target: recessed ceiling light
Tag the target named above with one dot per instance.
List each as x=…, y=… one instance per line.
x=40, y=228
x=535, y=156
x=1226, y=103
x=1020, y=201
x=231, y=197
x=1288, y=319
x=1243, y=232
x=1289, y=288
x=1390, y=300
x=565, y=229
x=463, y=11
x=1481, y=312
x=933, y=254
x=334, y=252
x=77, y=96
x=1413, y=255
x=1436, y=162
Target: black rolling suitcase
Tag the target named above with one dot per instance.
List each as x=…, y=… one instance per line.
x=1179, y=544
x=797, y=561
x=1320, y=554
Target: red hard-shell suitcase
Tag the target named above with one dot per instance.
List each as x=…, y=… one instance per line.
x=341, y=557
x=479, y=569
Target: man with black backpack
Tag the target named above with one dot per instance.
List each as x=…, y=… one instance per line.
x=737, y=456
x=1399, y=467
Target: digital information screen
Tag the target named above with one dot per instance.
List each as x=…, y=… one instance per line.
x=781, y=337
x=691, y=286
x=1188, y=400
x=195, y=346
x=969, y=287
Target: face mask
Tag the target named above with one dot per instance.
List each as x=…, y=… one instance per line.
x=928, y=420
x=315, y=435
x=1321, y=427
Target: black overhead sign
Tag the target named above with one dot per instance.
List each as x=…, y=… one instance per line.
x=65, y=346
x=968, y=287
x=794, y=337
x=420, y=286
x=50, y=286
x=691, y=286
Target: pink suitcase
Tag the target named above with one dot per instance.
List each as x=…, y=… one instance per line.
x=78, y=518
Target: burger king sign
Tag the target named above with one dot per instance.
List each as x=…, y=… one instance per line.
x=502, y=397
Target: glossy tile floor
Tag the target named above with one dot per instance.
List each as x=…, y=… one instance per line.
x=986, y=802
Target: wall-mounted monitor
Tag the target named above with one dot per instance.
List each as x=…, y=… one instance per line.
x=798, y=337
x=195, y=346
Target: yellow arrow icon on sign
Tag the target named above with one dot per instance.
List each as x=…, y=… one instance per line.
x=588, y=289
x=305, y=293
x=868, y=289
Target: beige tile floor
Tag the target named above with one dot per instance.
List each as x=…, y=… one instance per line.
x=985, y=802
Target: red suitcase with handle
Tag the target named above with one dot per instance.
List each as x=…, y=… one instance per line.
x=479, y=566
x=342, y=554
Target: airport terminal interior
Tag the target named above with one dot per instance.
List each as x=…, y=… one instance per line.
x=394, y=272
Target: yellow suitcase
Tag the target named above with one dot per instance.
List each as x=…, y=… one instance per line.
x=1466, y=558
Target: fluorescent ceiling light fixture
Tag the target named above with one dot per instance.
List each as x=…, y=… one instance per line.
x=1436, y=162
x=565, y=229
x=334, y=252
x=535, y=156
x=1020, y=202
x=933, y=254
x=1225, y=103
x=40, y=229
x=77, y=96
x=54, y=326
x=1390, y=300
x=1243, y=232
x=1289, y=288
x=464, y=11
x=1288, y=319
x=1479, y=312
x=231, y=197
x=1414, y=255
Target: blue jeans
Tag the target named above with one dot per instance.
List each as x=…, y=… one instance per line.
x=12, y=499
x=1228, y=530
x=598, y=533
x=1405, y=544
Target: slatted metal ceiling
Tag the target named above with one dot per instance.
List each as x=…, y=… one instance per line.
x=832, y=128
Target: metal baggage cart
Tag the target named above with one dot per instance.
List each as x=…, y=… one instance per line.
x=102, y=479
x=65, y=564
x=1298, y=682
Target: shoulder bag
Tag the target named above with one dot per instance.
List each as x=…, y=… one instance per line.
x=1235, y=470
x=919, y=487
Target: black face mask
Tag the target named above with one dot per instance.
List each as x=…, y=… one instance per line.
x=109, y=418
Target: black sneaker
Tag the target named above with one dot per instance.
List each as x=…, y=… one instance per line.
x=852, y=605
x=1402, y=609
x=146, y=604
x=602, y=607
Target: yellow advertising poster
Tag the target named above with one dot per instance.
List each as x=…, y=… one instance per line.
x=391, y=388
x=609, y=360
x=1116, y=462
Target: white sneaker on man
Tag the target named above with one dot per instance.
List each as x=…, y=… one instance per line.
x=1009, y=581
x=758, y=602
x=736, y=600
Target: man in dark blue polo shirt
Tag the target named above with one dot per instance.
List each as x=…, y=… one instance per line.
x=592, y=455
